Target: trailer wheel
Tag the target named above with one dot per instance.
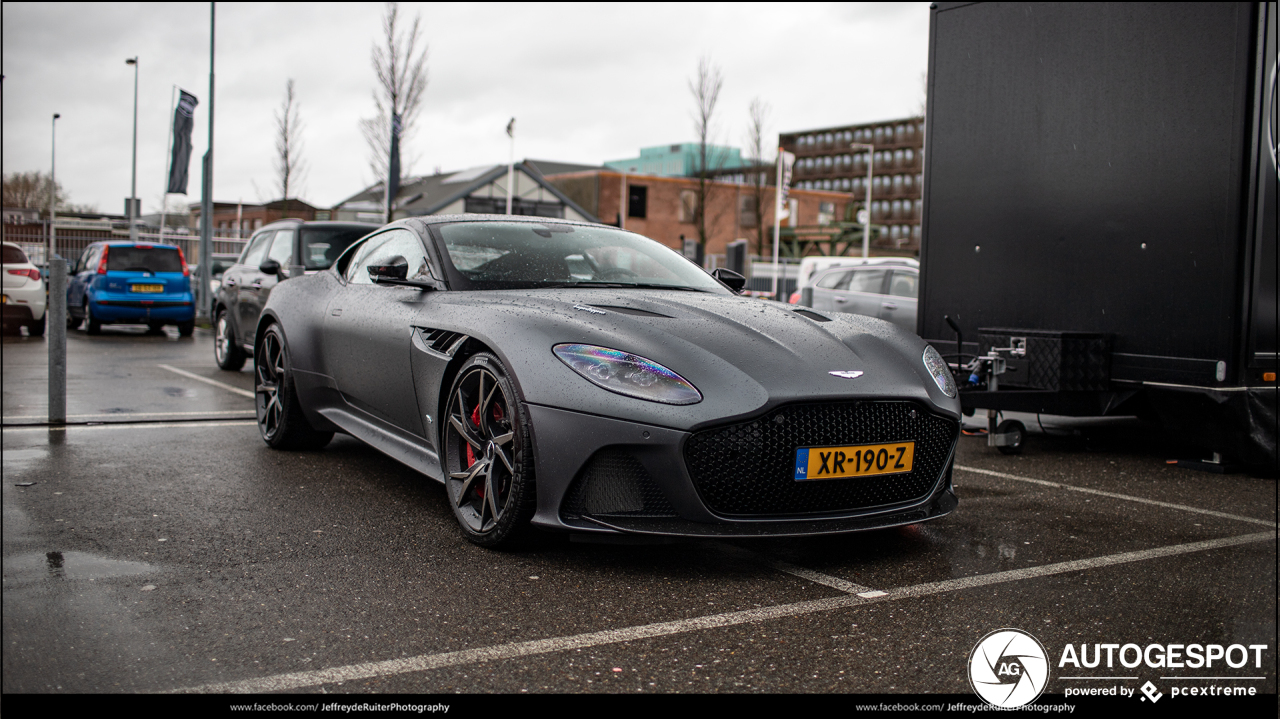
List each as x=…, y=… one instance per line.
x=1019, y=432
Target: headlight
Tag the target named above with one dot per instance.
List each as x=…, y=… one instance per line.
x=628, y=374
x=940, y=371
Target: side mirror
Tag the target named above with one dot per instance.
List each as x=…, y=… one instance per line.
x=396, y=269
x=270, y=267
x=732, y=279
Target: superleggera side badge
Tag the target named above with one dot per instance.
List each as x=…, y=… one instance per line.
x=846, y=373
x=592, y=310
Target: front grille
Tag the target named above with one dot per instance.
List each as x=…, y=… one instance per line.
x=748, y=469
x=614, y=484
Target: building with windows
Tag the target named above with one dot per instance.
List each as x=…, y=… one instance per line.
x=239, y=220
x=825, y=161
x=481, y=190
x=681, y=160
x=665, y=208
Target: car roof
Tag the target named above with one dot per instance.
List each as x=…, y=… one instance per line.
x=868, y=265
x=295, y=222
x=473, y=217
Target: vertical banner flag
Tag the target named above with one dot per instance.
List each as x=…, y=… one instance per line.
x=182, y=121
x=786, y=161
x=393, y=165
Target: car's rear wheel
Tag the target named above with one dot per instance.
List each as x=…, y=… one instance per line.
x=488, y=455
x=186, y=329
x=91, y=324
x=155, y=328
x=35, y=328
x=73, y=321
x=280, y=417
x=226, y=351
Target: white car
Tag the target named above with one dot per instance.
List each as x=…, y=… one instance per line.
x=24, y=295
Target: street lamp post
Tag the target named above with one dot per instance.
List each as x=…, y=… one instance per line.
x=133, y=182
x=866, y=226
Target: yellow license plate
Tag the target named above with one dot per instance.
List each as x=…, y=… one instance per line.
x=148, y=288
x=863, y=460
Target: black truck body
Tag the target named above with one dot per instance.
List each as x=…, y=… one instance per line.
x=1103, y=176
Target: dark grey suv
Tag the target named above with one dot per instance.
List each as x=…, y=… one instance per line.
x=885, y=288
x=265, y=261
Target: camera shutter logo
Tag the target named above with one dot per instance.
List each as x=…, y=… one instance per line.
x=1008, y=668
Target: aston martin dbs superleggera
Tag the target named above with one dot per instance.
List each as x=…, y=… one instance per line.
x=577, y=377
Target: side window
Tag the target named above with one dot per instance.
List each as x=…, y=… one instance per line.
x=281, y=247
x=257, y=249
x=903, y=284
x=86, y=260
x=867, y=281
x=835, y=281
x=387, y=249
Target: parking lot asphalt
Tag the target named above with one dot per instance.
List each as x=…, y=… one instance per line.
x=157, y=545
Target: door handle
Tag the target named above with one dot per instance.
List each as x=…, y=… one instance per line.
x=256, y=285
x=842, y=300
x=889, y=305
x=336, y=312
x=229, y=283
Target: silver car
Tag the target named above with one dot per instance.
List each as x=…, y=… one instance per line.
x=887, y=291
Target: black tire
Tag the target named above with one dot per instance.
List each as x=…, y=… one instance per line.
x=1014, y=427
x=186, y=329
x=488, y=455
x=226, y=351
x=91, y=325
x=73, y=321
x=36, y=328
x=155, y=328
x=280, y=417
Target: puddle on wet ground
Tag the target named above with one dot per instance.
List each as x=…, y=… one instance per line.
x=178, y=392
x=69, y=565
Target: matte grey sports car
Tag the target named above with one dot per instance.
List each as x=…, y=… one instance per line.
x=581, y=378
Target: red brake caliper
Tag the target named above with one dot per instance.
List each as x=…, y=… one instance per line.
x=471, y=457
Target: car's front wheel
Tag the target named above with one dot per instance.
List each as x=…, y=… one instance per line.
x=226, y=351
x=35, y=328
x=280, y=417
x=488, y=455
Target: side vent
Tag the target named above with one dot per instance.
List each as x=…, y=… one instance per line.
x=812, y=315
x=615, y=484
x=441, y=342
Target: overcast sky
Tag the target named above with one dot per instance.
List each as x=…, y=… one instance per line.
x=587, y=83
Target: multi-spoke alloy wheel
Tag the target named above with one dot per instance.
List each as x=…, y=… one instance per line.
x=280, y=417
x=490, y=478
x=225, y=350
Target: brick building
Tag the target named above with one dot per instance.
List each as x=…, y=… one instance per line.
x=662, y=208
x=236, y=219
x=825, y=161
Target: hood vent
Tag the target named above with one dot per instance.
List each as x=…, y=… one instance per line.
x=812, y=315
x=442, y=342
x=631, y=311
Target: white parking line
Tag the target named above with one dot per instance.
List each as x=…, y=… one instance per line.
x=131, y=415
x=1113, y=495
x=131, y=425
x=354, y=672
x=206, y=380
x=824, y=579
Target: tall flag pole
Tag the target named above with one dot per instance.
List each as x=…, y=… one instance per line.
x=511, y=162
x=785, y=162
x=393, y=165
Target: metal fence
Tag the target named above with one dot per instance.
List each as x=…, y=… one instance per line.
x=71, y=243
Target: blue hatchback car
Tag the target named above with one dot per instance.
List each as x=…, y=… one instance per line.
x=131, y=283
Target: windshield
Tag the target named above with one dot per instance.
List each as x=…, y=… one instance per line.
x=322, y=245
x=143, y=259
x=526, y=255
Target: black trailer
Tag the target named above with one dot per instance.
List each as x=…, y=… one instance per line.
x=1100, y=186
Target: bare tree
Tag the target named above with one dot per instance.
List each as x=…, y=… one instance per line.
x=289, y=165
x=401, y=69
x=758, y=116
x=924, y=93
x=31, y=190
x=705, y=89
